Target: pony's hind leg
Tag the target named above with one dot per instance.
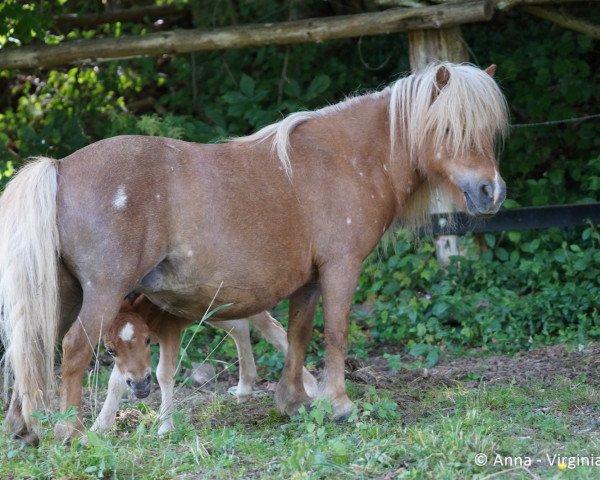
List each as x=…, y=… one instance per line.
x=275, y=334
x=290, y=393
x=78, y=346
x=116, y=389
x=240, y=332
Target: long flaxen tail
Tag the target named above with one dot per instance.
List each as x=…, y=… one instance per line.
x=29, y=288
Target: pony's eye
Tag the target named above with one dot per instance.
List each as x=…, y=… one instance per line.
x=147, y=340
x=111, y=352
x=447, y=131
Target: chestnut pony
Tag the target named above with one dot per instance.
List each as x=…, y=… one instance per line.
x=288, y=212
x=127, y=340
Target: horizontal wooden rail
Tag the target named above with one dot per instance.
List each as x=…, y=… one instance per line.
x=253, y=35
x=527, y=218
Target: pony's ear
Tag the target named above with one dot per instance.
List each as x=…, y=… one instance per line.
x=491, y=70
x=441, y=77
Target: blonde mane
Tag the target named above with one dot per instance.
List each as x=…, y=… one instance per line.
x=468, y=112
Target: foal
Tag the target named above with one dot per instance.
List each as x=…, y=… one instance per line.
x=128, y=340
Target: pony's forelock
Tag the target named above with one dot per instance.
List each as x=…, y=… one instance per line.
x=468, y=112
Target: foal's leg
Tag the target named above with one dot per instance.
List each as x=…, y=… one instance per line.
x=275, y=334
x=290, y=393
x=240, y=332
x=116, y=389
x=339, y=284
x=78, y=346
x=169, y=336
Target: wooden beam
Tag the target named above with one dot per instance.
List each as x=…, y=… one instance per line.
x=503, y=5
x=284, y=33
x=564, y=20
x=90, y=20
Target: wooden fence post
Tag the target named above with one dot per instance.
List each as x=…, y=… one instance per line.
x=426, y=46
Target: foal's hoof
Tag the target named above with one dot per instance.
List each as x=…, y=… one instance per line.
x=65, y=431
x=310, y=384
x=242, y=394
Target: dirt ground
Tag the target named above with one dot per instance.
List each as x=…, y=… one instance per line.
x=542, y=367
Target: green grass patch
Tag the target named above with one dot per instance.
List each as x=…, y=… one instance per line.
x=437, y=434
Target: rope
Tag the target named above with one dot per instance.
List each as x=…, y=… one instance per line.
x=556, y=122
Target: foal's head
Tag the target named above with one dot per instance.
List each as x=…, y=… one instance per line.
x=456, y=115
x=127, y=340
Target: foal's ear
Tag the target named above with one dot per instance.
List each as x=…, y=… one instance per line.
x=441, y=77
x=491, y=70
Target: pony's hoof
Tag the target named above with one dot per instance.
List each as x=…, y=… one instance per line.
x=342, y=408
x=289, y=401
x=30, y=438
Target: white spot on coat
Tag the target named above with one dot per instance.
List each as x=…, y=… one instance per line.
x=120, y=198
x=348, y=220
x=126, y=333
x=190, y=253
x=438, y=156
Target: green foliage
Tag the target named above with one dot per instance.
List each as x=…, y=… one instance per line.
x=527, y=288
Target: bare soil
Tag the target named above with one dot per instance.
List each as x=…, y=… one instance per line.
x=541, y=367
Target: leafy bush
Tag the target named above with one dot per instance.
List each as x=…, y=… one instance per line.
x=526, y=288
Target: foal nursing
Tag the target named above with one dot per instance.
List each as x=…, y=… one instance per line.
x=289, y=212
x=127, y=340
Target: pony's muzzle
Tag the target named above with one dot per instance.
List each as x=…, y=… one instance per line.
x=140, y=388
x=484, y=197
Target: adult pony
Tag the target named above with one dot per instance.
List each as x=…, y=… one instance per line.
x=289, y=212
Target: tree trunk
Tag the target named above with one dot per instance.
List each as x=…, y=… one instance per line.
x=426, y=46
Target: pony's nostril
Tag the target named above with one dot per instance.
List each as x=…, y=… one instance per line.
x=129, y=383
x=487, y=190
x=148, y=378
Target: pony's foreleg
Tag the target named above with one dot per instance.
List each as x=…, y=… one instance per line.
x=78, y=346
x=339, y=284
x=116, y=389
x=290, y=393
x=169, y=337
x=240, y=332
x=275, y=334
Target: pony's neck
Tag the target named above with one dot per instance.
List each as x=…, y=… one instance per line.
x=405, y=180
x=368, y=122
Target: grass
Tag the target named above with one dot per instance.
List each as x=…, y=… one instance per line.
x=399, y=430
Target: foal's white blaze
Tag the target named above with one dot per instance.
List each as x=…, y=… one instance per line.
x=496, y=186
x=126, y=333
x=120, y=199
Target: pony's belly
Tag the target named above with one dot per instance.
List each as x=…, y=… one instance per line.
x=190, y=295
x=231, y=303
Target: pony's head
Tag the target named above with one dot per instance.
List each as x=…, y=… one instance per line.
x=450, y=117
x=127, y=340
